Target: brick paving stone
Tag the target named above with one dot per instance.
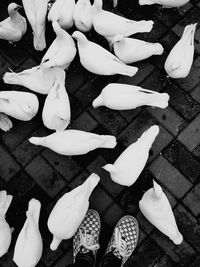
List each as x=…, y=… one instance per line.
x=75, y=78
x=29, y=63
x=43, y=174
x=90, y=90
x=188, y=226
x=109, y=119
x=142, y=236
x=49, y=257
x=76, y=108
x=147, y=255
x=181, y=159
x=64, y=165
x=185, y=105
x=166, y=244
x=158, y=30
x=196, y=263
x=146, y=226
x=129, y=115
x=96, y=166
x=166, y=261
x=155, y=81
x=190, y=136
x=25, y=152
x=84, y=122
x=182, y=254
x=168, y=17
x=4, y=65
x=197, y=41
x=138, y=126
x=14, y=54
x=191, y=17
x=131, y=196
x=192, y=79
x=170, y=177
x=8, y=165
x=169, y=41
x=6, y=260
x=79, y=179
x=112, y=215
x=20, y=131
x=169, y=118
x=100, y=200
x=20, y=185
x=196, y=93
x=192, y=200
x=66, y=259
x=144, y=70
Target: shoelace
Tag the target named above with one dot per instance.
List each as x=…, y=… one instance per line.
x=120, y=245
x=87, y=240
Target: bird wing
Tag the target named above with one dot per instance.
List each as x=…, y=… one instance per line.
x=109, y=24
x=8, y=31
x=29, y=7
x=51, y=52
x=55, y=10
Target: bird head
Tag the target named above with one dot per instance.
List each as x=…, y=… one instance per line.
x=31, y=106
x=97, y=6
x=56, y=27
x=12, y=8
x=116, y=39
x=79, y=36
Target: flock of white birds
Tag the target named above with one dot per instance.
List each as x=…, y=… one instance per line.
x=49, y=79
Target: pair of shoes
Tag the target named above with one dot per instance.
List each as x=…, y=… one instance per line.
x=122, y=244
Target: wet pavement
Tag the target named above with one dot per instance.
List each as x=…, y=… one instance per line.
x=27, y=171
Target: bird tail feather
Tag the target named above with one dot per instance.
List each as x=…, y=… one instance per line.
x=128, y=70
x=109, y=141
x=5, y=201
x=5, y=122
x=146, y=2
x=159, y=100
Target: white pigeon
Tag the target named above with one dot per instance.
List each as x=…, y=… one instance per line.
x=83, y=15
x=74, y=142
x=62, y=12
x=5, y=230
x=124, y=97
x=164, y=3
x=108, y=24
x=180, y=59
x=37, y=79
x=130, y=50
x=56, y=113
x=98, y=60
x=62, y=51
x=5, y=122
x=115, y=3
x=36, y=11
x=70, y=210
x=19, y=105
x=156, y=208
x=29, y=246
x=129, y=165
x=15, y=26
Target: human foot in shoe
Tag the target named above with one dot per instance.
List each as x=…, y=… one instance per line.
x=86, y=240
x=123, y=242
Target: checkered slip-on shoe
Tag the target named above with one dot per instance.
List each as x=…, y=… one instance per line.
x=124, y=238
x=86, y=238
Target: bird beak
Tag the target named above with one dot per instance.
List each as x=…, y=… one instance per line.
x=18, y=7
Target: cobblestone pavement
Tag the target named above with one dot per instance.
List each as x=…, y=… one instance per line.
x=28, y=171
